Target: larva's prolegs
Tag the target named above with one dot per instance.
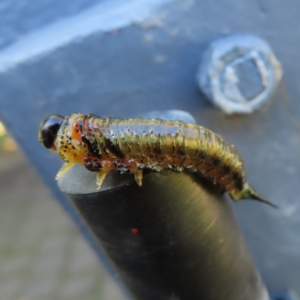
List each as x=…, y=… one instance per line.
x=64, y=169
x=100, y=178
x=138, y=176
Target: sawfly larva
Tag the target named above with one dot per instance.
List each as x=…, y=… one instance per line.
x=129, y=146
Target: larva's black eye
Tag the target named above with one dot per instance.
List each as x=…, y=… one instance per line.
x=48, y=130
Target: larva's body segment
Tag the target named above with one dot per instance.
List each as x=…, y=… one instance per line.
x=158, y=144
x=103, y=144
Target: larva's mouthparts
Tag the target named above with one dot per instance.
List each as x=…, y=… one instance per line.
x=249, y=193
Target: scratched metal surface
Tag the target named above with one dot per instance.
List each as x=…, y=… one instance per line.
x=124, y=58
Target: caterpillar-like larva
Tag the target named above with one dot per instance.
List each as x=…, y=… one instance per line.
x=103, y=144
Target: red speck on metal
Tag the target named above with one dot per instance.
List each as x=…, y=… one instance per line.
x=134, y=230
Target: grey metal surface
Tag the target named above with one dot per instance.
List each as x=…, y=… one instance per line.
x=148, y=62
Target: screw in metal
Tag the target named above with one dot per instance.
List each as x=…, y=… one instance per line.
x=239, y=73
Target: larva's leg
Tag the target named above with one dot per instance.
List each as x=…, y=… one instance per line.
x=64, y=169
x=138, y=176
x=100, y=178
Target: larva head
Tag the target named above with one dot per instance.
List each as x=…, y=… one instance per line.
x=70, y=143
x=72, y=138
x=48, y=131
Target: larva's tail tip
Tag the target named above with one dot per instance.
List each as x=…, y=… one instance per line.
x=249, y=193
x=264, y=201
x=252, y=194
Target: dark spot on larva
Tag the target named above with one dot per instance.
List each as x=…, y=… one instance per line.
x=92, y=165
x=202, y=155
x=227, y=169
x=216, y=162
x=157, y=150
x=115, y=149
x=235, y=175
x=238, y=180
x=180, y=152
x=92, y=147
x=73, y=147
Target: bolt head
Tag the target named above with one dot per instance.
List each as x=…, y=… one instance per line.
x=239, y=73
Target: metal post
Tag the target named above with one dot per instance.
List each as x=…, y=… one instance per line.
x=173, y=238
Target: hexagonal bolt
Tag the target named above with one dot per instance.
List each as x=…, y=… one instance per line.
x=239, y=73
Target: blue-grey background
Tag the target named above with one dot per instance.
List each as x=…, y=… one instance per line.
x=123, y=58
